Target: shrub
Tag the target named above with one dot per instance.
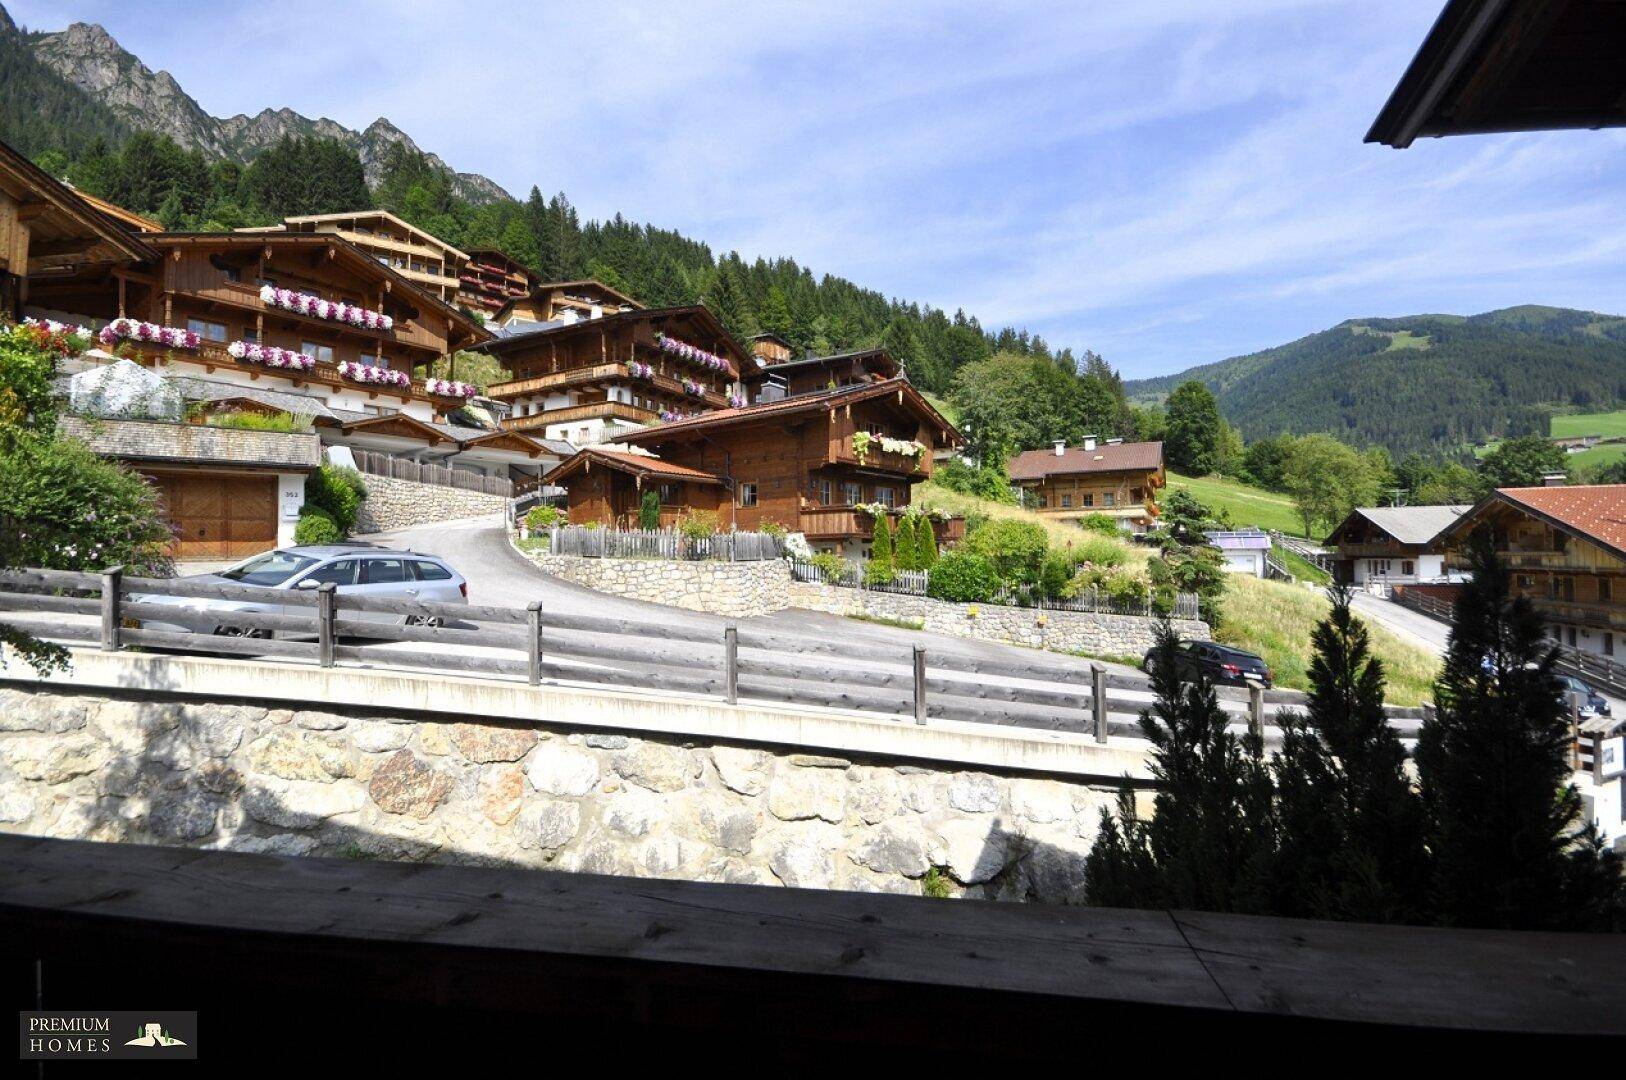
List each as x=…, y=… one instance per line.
x=881, y=567
x=925, y=544
x=1100, y=523
x=1016, y=549
x=981, y=481
x=649, y=511
x=317, y=527
x=65, y=508
x=830, y=565
x=1098, y=551
x=337, y=491
x=962, y=576
x=904, y=555
x=540, y=518
x=698, y=524
x=1055, y=573
x=774, y=529
x=253, y=421
x=28, y=358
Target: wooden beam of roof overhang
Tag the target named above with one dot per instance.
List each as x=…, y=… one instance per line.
x=1458, y=530
x=399, y=425
x=632, y=465
x=64, y=229
x=707, y=424
x=412, y=297
x=1511, y=65
x=548, y=335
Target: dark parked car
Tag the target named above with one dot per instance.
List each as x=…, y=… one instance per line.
x=1592, y=703
x=1221, y=663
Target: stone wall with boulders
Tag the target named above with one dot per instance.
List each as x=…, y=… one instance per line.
x=1058, y=631
x=736, y=589
x=370, y=784
x=399, y=504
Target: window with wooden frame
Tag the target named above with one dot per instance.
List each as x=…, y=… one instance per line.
x=748, y=494
x=821, y=490
x=208, y=331
x=852, y=494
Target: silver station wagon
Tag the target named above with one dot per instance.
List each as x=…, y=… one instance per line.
x=354, y=569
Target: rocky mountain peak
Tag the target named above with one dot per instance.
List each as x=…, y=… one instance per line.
x=87, y=56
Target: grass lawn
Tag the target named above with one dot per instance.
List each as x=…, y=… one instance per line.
x=1300, y=567
x=1270, y=618
x=1246, y=505
x=950, y=413
x=1606, y=424
x=1274, y=619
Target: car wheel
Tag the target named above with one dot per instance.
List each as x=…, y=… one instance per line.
x=241, y=631
x=431, y=621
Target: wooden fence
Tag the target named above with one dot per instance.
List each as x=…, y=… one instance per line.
x=320, y=626
x=662, y=544
x=419, y=472
x=913, y=583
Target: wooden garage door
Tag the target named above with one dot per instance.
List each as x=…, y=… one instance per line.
x=220, y=517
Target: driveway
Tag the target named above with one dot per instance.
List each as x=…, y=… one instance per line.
x=1412, y=626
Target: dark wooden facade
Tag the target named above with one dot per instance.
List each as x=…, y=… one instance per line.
x=210, y=283
x=491, y=279
x=608, y=488
x=794, y=463
x=788, y=378
x=583, y=374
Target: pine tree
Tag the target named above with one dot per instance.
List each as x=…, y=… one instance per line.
x=1209, y=841
x=1350, y=837
x=880, y=569
x=925, y=544
x=904, y=550
x=1502, y=816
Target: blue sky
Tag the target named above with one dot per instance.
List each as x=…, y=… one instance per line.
x=1169, y=182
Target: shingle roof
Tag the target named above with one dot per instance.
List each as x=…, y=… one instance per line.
x=1413, y=524
x=1075, y=460
x=1595, y=512
x=825, y=399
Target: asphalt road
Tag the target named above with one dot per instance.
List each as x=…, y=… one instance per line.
x=1410, y=625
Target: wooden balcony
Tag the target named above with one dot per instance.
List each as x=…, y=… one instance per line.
x=212, y=357
x=1609, y=616
x=841, y=522
x=599, y=410
x=879, y=460
x=598, y=373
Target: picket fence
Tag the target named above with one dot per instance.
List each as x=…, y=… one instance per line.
x=662, y=544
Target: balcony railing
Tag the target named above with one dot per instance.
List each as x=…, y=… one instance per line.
x=826, y=522
x=598, y=373
x=881, y=460
x=215, y=356
x=599, y=410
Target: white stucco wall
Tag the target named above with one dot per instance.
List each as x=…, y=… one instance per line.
x=290, y=498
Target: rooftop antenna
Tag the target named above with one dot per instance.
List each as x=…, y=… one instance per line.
x=1396, y=494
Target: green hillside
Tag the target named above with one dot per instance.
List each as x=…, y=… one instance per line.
x=1434, y=384
x=1245, y=505
x=1611, y=425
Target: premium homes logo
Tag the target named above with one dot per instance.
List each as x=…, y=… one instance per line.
x=117, y=1036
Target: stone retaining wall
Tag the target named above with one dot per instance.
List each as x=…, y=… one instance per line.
x=739, y=590
x=397, y=504
x=372, y=784
x=1058, y=631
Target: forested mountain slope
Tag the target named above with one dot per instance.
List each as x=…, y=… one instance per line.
x=1426, y=383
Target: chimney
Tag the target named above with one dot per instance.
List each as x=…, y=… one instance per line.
x=1114, y=442
x=772, y=389
x=1089, y=442
x=1554, y=479
x=1061, y=447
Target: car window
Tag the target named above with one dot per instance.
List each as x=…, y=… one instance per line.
x=382, y=571
x=428, y=571
x=342, y=572
x=272, y=568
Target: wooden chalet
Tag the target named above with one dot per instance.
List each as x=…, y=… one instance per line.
x=808, y=463
x=52, y=237
x=1511, y=65
x=608, y=486
x=562, y=302
x=492, y=279
x=1566, y=550
x=1392, y=545
x=596, y=380
x=1111, y=478
x=211, y=285
x=770, y=381
x=771, y=349
x=427, y=261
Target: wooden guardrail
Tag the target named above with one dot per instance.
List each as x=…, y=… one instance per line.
x=321, y=626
